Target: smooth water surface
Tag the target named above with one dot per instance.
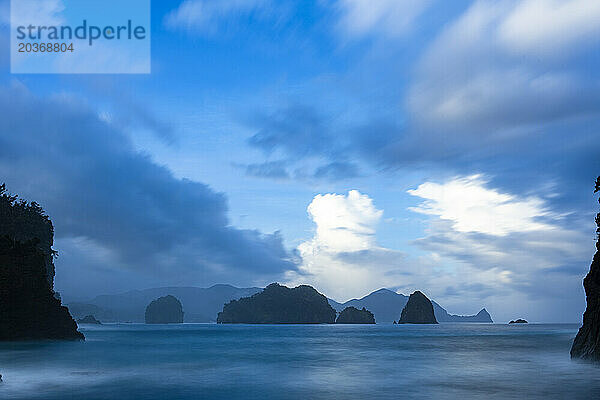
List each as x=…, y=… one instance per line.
x=207, y=361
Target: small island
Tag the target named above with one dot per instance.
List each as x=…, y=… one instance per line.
x=518, y=321
x=89, y=319
x=418, y=310
x=164, y=310
x=278, y=304
x=352, y=315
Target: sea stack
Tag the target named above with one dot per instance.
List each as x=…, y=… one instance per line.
x=278, y=304
x=587, y=342
x=518, y=321
x=89, y=319
x=164, y=310
x=29, y=307
x=418, y=310
x=352, y=315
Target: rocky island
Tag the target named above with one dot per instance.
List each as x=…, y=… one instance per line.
x=164, y=310
x=587, y=342
x=352, y=315
x=278, y=304
x=29, y=307
x=518, y=321
x=89, y=319
x=418, y=310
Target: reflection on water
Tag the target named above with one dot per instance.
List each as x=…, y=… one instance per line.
x=196, y=361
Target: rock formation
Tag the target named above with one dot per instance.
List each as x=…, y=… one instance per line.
x=29, y=307
x=587, y=342
x=352, y=315
x=386, y=306
x=278, y=304
x=89, y=319
x=442, y=316
x=164, y=310
x=518, y=321
x=418, y=310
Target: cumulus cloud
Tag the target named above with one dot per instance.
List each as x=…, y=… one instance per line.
x=103, y=194
x=482, y=247
x=471, y=207
x=342, y=258
x=500, y=238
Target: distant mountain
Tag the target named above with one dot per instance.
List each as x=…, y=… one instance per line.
x=387, y=305
x=199, y=304
x=203, y=304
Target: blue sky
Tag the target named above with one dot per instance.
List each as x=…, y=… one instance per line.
x=449, y=147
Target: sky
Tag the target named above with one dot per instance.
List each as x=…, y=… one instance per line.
x=447, y=147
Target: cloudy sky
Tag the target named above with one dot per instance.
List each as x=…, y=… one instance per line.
x=449, y=147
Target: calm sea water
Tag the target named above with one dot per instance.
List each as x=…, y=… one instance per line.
x=206, y=361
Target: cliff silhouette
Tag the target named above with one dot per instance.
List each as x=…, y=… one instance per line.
x=278, y=304
x=29, y=307
x=164, y=310
x=352, y=315
x=418, y=310
x=587, y=342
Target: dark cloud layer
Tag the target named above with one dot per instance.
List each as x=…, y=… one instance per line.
x=95, y=186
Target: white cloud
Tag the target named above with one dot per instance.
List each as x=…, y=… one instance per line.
x=496, y=67
x=344, y=223
x=343, y=259
x=496, y=240
x=37, y=12
x=482, y=248
x=205, y=15
x=472, y=207
x=391, y=18
x=550, y=26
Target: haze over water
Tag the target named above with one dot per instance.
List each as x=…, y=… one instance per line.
x=195, y=361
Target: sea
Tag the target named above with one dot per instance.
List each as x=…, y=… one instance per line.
x=209, y=361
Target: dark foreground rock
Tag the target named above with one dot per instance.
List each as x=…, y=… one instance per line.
x=278, y=304
x=518, y=321
x=587, y=342
x=29, y=307
x=164, y=310
x=418, y=310
x=89, y=319
x=352, y=315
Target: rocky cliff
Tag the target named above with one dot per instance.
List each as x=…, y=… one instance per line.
x=587, y=342
x=352, y=315
x=278, y=304
x=29, y=307
x=418, y=310
x=164, y=310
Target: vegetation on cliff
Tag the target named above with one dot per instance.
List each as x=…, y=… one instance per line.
x=587, y=342
x=23, y=221
x=352, y=315
x=278, y=304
